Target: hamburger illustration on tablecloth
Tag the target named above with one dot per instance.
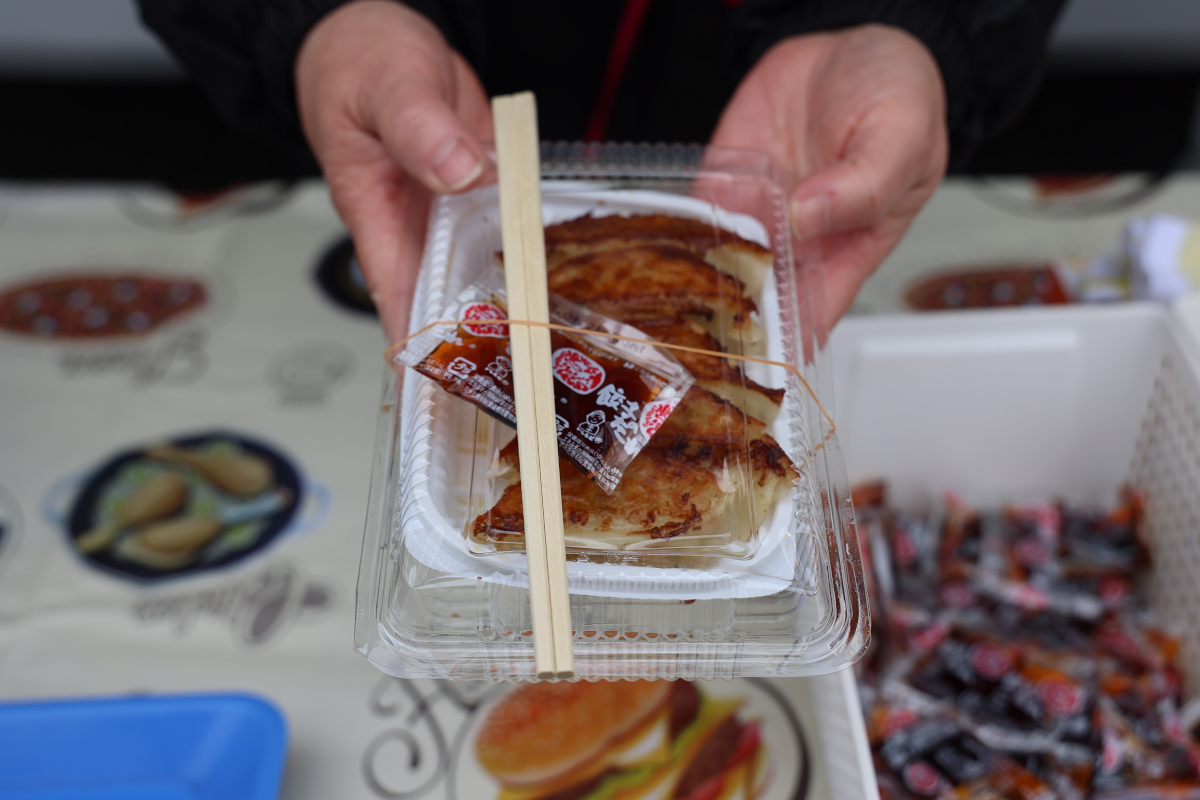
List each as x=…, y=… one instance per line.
x=622, y=740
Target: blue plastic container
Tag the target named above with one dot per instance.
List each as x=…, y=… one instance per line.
x=142, y=748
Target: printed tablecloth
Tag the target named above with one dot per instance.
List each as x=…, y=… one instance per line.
x=186, y=359
x=209, y=358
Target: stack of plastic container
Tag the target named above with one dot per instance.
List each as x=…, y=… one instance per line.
x=758, y=582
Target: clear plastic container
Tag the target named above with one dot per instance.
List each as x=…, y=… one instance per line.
x=769, y=585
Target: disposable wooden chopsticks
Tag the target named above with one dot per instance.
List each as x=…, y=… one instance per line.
x=515, y=118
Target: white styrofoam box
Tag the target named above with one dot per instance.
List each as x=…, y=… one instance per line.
x=844, y=750
x=1005, y=405
x=1186, y=311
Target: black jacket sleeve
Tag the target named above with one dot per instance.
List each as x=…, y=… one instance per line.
x=241, y=52
x=990, y=52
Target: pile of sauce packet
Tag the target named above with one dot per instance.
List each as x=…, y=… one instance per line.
x=1013, y=660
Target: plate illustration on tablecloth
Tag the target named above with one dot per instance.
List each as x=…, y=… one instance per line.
x=99, y=306
x=11, y=525
x=632, y=739
x=988, y=286
x=194, y=503
x=341, y=279
x=168, y=210
x=1067, y=196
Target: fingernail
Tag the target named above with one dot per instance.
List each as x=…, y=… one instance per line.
x=810, y=216
x=456, y=166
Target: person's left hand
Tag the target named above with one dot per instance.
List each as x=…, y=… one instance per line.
x=859, y=116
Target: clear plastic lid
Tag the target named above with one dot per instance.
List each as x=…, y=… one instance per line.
x=728, y=547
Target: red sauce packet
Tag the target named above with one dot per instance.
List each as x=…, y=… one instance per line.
x=611, y=395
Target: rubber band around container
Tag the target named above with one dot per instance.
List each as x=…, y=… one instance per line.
x=390, y=353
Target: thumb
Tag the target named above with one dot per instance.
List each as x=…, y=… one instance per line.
x=877, y=171
x=425, y=137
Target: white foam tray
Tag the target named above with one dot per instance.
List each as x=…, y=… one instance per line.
x=461, y=239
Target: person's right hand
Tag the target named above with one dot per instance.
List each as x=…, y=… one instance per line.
x=859, y=116
x=393, y=114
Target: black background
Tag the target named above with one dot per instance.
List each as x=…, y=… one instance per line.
x=1082, y=121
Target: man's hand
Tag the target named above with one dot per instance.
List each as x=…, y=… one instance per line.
x=393, y=115
x=859, y=116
